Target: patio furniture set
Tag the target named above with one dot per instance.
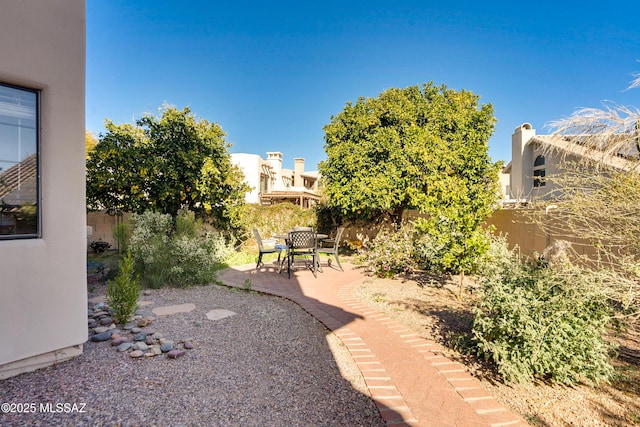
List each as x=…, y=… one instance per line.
x=301, y=243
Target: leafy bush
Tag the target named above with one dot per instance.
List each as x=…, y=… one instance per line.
x=181, y=255
x=275, y=219
x=542, y=323
x=389, y=253
x=123, y=291
x=449, y=245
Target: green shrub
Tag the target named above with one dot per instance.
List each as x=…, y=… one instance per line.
x=389, y=253
x=182, y=255
x=274, y=219
x=448, y=245
x=123, y=291
x=122, y=234
x=542, y=323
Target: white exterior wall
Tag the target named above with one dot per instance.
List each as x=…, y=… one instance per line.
x=43, y=307
x=250, y=165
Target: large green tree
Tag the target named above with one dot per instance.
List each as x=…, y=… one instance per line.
x=424, y=148
x=164, y=164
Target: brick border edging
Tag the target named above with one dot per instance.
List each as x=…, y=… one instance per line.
x=469, y=388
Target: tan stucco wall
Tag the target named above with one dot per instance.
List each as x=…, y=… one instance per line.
x=43, y=281
x=101, y=227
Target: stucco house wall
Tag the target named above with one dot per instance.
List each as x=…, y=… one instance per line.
x=251, y=168
x=44, y=290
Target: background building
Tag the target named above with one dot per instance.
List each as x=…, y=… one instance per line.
x=271, y=183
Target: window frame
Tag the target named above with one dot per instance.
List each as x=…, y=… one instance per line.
x=38, y=190
x=539, y=171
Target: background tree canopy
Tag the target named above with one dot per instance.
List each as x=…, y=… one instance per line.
x=165, y=164
x=424, y=148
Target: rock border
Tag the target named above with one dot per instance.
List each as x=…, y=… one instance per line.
x=137, y=337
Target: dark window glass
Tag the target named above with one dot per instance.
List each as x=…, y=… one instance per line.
x=19, y=210
x=538, y=178
x=539, y=161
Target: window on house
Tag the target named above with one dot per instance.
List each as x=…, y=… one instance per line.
x=539, y=171
x=264, y=184
x=19, y=176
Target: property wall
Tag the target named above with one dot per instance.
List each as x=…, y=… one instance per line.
x=100, y=227
x=529, y=237
x=43, y=281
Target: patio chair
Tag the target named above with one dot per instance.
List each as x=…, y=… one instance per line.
x=262, y=250
x=302, y=243
x=333, y=249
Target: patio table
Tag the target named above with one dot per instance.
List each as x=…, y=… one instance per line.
x=285, y=237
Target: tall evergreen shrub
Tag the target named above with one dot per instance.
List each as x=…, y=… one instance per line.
x=124, y=290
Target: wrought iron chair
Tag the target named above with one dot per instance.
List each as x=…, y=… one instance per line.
x=333, y=249
x=263, y=250
x=302, y=243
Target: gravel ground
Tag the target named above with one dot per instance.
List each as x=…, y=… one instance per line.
x=270, y=364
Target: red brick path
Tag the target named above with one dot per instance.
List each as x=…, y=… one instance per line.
x=410, y=380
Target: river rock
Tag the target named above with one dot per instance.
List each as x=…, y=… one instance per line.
x=104, y=336
x=124, y=346
x=166, y=347
x=141, y=346
x=129, y=326
x=119, y=340
x=139, y=337
x=145, y=321
x=136, y=353
x=187, y=345
x=106, y=320
x=174, y=354
x=100, y=329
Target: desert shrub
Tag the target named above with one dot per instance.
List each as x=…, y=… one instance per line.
x=543, y=323
x=180, y=252
x=274, y=219
x=389, y=253
x=123, y=291
x=498, y=259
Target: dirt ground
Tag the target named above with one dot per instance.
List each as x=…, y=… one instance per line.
x=434, y=310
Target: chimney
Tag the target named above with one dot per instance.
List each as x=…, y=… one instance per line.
x=274, y=159
x=520, y=159
x=298, y=170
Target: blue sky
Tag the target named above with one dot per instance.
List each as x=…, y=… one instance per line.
x=273, y=73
